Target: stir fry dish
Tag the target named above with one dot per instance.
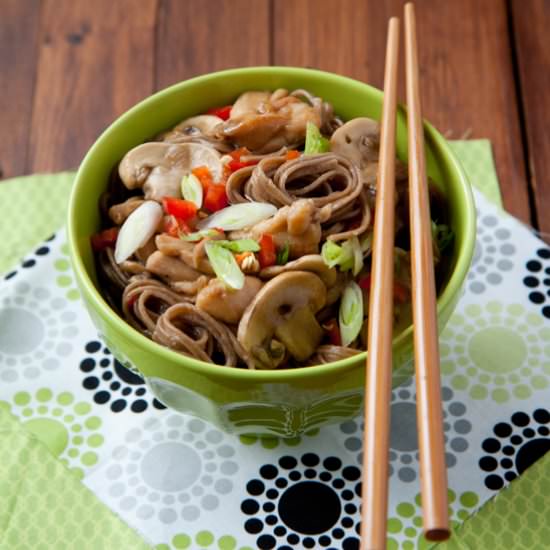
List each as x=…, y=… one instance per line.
x=242, y=236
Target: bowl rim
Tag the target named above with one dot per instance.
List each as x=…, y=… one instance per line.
x=100, y=305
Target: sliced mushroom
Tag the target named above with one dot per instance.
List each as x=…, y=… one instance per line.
x=159, y=167
x=358, y=140
x=284, y=310
x=206, y=125
x=256, y=132
x=226, y=304
x=312, y=262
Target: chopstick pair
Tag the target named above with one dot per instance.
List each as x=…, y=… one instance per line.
x=380, y=325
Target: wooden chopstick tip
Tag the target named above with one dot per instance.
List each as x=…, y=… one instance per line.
x=437, y=535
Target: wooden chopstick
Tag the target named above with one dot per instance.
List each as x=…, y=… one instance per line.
x=380, y=323
x=433, y=472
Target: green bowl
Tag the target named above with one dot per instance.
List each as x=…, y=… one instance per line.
x=282, y=403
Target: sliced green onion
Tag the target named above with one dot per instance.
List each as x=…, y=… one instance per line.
x=137, y=229
x=191, y=189
x=199, y=235
x=240, y=245
x=282, y=255
x=315, y=142
x=224, y=265
x=335, y=255
x=350, y=315
x=239, y=216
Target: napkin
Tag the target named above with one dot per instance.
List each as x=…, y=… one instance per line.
x=182, y=483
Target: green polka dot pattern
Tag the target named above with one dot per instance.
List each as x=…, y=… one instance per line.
x=64, y=278
x=408, y=520
x=33, y=515
x=494, y=351
x=66, y=427
x=203, y=540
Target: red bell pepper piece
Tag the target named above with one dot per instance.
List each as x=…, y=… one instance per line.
x=202, y=173
x=104, y=239
x=223, y=112
x=182, y=209
x=237, y=163
x=267, y=255
x=292, y=154
x=215, y=198
x=175, y=226
x=364, y=282
x=333, y=332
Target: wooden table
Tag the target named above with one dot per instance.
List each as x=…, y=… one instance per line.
x=69, y=67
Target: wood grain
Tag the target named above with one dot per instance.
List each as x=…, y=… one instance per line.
x=96, y=60
x=531, y=20
x=18, y=38
x=465, y=59
x=199, y=37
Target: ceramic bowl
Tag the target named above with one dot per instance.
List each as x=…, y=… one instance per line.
x=280, y=403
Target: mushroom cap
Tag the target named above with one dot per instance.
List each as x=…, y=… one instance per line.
x=158, y=167
x=313, y=263
x=206, y=125
x=276, y=303
x=358, y=140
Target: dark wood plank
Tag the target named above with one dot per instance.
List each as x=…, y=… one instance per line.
x=18, y=39
x=466, y=69
x=530, y=22
x=200, y=37
x=96, y=60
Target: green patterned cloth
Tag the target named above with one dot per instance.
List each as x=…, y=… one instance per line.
x=32, y=514
x=63, y=437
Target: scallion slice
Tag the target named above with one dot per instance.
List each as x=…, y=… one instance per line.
x=191, y=189
x=350, y=315
x=224, y=265
x=239, y=216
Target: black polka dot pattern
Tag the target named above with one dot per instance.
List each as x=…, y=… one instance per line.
x=537, y=280
x=516, y=445
x=306, y=503
x=31, y=260
x=112, y=383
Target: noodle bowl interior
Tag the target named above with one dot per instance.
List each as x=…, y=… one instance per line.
x=242, y=236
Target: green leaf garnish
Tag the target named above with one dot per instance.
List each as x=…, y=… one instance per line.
x=199, y=235
x=224, y=265
x=282, y=255
x=240, y=245
x=315, y=142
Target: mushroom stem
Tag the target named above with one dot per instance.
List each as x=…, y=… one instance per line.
x=301, y=333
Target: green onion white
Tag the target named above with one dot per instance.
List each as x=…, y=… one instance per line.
x=239, y=216
x=350, y=316
x=137, y=229
x=191, y=189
